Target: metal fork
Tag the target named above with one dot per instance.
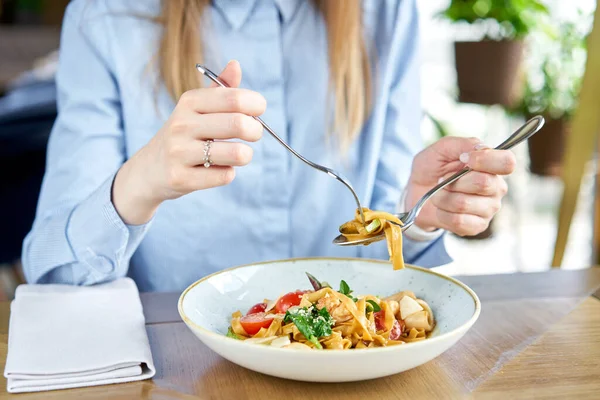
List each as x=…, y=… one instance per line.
x=334, y=174
x=526, y=131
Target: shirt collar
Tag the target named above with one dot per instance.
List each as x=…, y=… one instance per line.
x=288, y=8
x=237, y=12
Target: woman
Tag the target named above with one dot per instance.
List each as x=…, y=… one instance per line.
x=126, y=191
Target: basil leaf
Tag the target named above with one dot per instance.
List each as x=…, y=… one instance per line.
x=311, y=323
x=376, y=307
x=232, y=334
x=305, y=328
x=344, y=288
x=322, y=322
x=314, y=281
x=315, y=341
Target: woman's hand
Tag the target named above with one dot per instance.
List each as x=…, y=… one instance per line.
x=171, y=164
x=467, y=206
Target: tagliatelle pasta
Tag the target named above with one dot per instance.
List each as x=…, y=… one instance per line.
x=377, y=221
x=325, y=318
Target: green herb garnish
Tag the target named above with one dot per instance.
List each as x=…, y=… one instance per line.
x=311, y=322
x=345, y=290
x=375, y=307
x=233, y=335
x=315, y=282
x=372, y=306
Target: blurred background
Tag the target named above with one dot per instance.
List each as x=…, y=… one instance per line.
x=487, y=66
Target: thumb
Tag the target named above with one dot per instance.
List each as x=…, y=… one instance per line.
x=452, y=147
x=231, y=74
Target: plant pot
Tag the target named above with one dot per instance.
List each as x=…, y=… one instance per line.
x=488, y=72
x=546, y=149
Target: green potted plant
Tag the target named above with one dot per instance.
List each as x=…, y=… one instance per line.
x=555, y=67
x=488, y=71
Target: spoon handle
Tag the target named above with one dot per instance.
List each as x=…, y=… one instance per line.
x=526, y=131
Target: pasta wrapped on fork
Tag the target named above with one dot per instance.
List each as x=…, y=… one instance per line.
x=377, y=221
x=325, y=318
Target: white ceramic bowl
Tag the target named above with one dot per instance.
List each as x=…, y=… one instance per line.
x=206, y=307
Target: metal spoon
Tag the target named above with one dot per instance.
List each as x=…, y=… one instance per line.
x=334, y=174
x=408, y=218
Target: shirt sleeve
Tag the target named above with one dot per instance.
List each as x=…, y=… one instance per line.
x=402, y=139
x=77, y=236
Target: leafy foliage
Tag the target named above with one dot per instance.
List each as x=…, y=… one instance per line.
x=502, y=19
x=555, y=66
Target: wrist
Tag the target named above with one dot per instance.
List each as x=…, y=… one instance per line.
x=131, y=195
x=408, y=201
x=415, y=232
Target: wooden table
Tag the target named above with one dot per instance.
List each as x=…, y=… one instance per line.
x=538, y=336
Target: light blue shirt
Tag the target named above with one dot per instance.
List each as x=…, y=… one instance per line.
x=277, y=207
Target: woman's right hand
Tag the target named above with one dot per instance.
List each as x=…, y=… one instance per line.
x=171, y=164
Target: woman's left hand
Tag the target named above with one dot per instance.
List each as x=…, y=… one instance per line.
x=467, y=206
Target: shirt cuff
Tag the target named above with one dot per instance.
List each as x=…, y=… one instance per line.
x=414, y=232
x=99, y=237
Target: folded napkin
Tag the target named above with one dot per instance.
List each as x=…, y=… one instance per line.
x=64, y=336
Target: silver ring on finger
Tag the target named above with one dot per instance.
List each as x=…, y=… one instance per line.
x=207, y=161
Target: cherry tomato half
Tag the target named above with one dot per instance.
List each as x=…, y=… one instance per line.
x=253, y=322
x=289, y=300
x=379, y=320
x=396, y=330
x=260, y=307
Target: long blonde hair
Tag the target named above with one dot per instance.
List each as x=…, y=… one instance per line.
x=349, y=68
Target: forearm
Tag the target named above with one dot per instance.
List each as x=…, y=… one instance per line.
x=131, y=195
x=83, y=244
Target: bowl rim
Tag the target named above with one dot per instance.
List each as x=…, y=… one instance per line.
x=233, y=342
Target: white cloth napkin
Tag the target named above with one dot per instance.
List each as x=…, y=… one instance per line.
x=63, y=336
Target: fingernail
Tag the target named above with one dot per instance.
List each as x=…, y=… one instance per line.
x=464, y=158
x=440, y=180
x=481, y=146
